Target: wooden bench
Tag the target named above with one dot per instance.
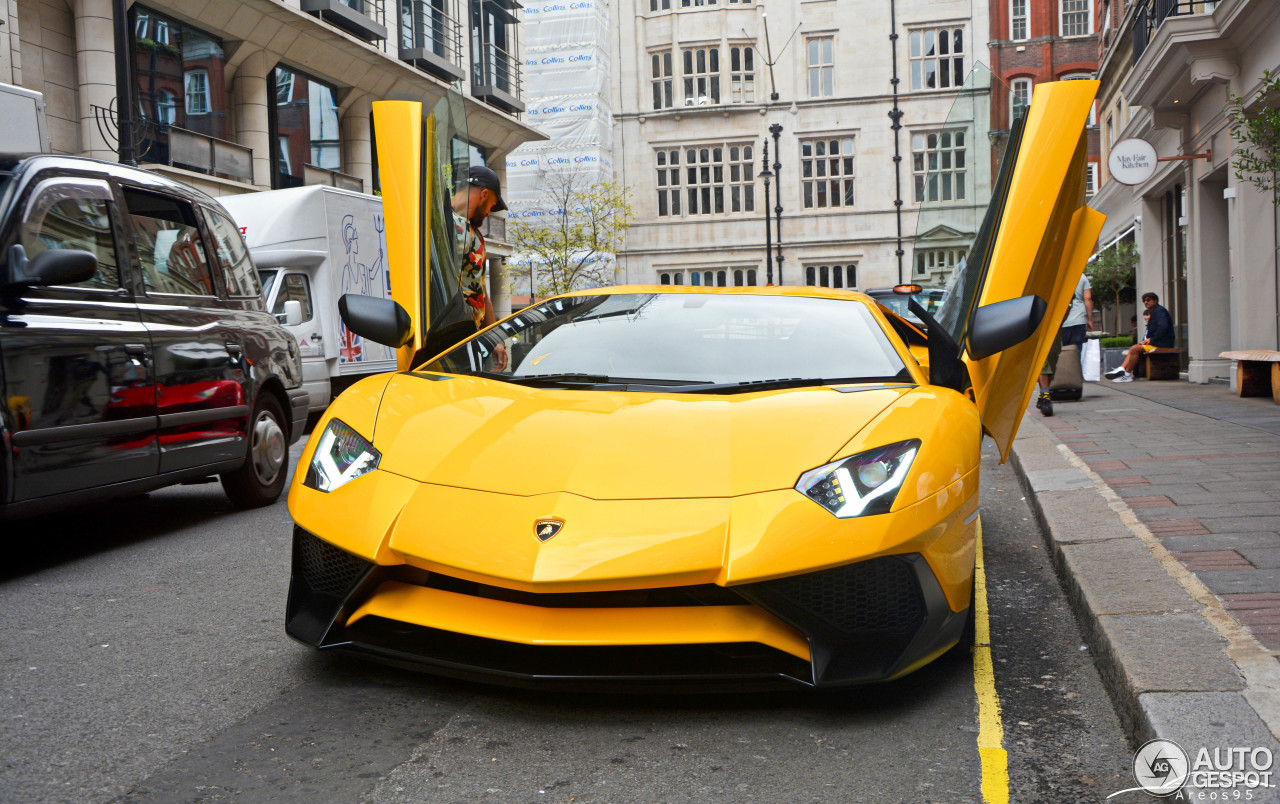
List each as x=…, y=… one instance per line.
x=1257, y=372
x=1161, y=363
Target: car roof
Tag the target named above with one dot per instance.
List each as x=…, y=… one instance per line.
x=28, y=164
x=809, y=291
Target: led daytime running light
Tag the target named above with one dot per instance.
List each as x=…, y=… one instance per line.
x=341, y=456
x=862, y=485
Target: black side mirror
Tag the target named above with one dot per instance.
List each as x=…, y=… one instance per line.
x=998, y=326
x=380, y=320
x=54, y=266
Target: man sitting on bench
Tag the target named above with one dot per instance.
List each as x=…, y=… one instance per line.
x=1159, y=335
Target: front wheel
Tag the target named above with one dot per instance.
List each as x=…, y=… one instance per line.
x=261, y=479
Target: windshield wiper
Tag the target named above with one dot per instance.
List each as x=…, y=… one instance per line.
x=750, y=386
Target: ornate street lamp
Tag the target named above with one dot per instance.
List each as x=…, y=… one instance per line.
x=776, y=131
x=768, y=237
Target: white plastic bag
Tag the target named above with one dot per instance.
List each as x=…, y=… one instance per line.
x=1091, y=360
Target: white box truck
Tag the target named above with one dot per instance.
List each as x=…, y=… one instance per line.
x=311, y=245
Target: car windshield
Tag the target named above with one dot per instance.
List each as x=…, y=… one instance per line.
x=683, y=339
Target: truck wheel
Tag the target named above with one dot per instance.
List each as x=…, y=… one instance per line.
x=261, y=479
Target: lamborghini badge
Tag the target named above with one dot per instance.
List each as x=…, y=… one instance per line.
x=544, y=529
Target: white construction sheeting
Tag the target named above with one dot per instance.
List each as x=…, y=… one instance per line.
x=567, y=96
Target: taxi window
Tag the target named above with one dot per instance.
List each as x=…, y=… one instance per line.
x=169, y=245
x=73, y=214
x=232, y=257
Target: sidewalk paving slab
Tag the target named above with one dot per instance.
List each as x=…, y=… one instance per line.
x=1160, y=503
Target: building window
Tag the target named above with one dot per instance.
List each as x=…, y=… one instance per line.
x=742, y=186
x=668, y=183
x=198, y=92
x=822, y=66
x=181, y=81
x=742, y=74
x=831, y=276
x=701, y=76
x=826, y=172
x=1018, y=19
x=1090, y=178
x=493, y=47
x=664, y=279
x=166, y=108
x=1075, y=18
x=1019, y=96
x=660, y=5
x=716, y=179
x=662, y=79
x=937, y=58
x=696, y=3
x=305, y=120
x=939, y=164
x=937, y=264
x=744, y=277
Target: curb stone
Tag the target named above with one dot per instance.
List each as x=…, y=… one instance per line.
x=1160, y=650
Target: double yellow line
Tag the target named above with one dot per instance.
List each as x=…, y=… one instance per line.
x=995, y=760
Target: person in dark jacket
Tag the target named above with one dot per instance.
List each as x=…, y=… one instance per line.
x=1159, y=335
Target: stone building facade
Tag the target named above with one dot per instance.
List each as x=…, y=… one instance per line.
x=233, y=96
x=694, y=100
x=1209, y=242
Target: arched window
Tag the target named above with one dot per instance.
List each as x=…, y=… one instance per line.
x=851, y=276
x=679, y=278
x=737, y=278
x=837, y=277
x=720, y=278
x=824, y=276
x=664, y=279
x=751, y=277
x=695, y=278
x=809, y=275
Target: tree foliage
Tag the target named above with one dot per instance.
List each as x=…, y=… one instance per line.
x=571, y=239
x=1112, y=276
x=1256, y=128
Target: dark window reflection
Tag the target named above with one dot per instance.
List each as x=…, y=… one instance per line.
x=305, y=126
x=181, y=79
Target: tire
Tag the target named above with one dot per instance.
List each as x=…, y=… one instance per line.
x=261, y=479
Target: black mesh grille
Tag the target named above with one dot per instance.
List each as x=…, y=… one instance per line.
x=326, y=569
x=881, y=595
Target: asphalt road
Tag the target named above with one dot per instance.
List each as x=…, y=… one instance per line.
x=144, y=659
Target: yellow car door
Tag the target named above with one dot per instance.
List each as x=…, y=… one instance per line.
x=421, y=163
x=1034, y=241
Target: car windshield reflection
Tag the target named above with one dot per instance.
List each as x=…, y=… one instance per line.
x=689, y=340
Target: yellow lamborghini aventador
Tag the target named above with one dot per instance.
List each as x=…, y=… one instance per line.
x=675, y=485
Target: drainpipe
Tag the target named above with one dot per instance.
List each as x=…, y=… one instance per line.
x=896, y=116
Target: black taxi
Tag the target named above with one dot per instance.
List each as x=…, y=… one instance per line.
x=135, y=348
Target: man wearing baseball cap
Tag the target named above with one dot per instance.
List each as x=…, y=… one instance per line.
x=482, y=196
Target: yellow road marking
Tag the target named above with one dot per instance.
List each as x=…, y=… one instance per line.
x=995, y=760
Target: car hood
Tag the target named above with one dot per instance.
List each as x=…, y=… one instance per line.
x=486, y=435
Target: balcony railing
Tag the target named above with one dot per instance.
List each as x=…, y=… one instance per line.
x=332, y=178
x=1151, y=14
x=431, y=38
x=364, y=19
x=496, y=77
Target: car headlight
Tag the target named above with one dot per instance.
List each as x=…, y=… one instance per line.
x=862, y=485
x=341, y=456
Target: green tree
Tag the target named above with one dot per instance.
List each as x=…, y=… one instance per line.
x=1112, y=276
x=572, y=242
x=1256, y=128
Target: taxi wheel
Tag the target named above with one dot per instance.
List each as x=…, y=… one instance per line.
x=261, y=479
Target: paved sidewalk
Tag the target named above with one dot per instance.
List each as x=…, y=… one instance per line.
x=1161, y=503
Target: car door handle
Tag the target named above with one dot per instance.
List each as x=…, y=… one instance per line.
x=135, y=348
x=234, y=349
